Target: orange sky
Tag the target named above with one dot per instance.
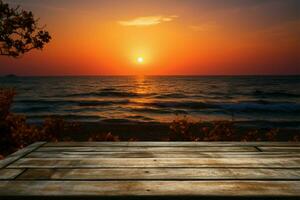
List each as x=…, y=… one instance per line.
x=174, y=37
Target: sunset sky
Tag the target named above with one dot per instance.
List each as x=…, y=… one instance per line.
x=163, y=37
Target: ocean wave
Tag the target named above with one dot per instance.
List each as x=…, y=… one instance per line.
x=262, y=107
x=108, y=89
x=44, y=101
x=161, y=107
x=152, y=110
x=253, y=106
x=171, y=95
x=119, y=121
x=32, y=109
x=66, y=116
x=183, y=104
x=282, y=94
x=140, y=117
x=102, y=103
x=106, y=93
x=43, y=104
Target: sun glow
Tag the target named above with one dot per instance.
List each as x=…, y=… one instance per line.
x=140, y=60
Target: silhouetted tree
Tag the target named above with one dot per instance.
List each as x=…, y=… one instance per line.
x=19, y=31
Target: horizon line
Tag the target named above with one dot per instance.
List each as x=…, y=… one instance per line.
x=163, y=75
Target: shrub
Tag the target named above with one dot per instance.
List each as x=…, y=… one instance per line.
x=272, y=135
x=251, y=136
x=296, y=138
x=55, y=128
x=6, y=99
x=22, y=134
x=219, y=131
x=181, y=130
x=97, y=137
x=185, y=130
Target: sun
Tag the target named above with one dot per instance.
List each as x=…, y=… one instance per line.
x=140, y=60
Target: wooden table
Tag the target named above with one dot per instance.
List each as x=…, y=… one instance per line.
x=152, y=170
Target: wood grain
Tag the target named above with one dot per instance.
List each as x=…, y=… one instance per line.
x=148, y=149
x=168, y=144
x=157, y=162
x=9, y=173
x=15, y=156
x=183, y=154
x=152, y=169
x=151, y=188
x=280, y=149
x=161, y=174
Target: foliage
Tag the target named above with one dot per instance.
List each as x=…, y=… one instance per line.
x=219, y=131
x=272, y=135
x=181, y=130
x=6, y=99
x=19, y=31
x=104, y=137
x=252, y=136
x=296, y=138
x=185, y=130
x=22, y=134
x=54, y=129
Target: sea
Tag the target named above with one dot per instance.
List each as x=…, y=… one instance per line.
x=122, y=99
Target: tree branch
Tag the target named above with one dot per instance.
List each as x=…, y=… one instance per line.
x=19, y=31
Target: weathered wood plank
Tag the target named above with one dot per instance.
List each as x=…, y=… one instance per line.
x=149, y=169
x=147, y=149
x=9, y=173
x=15, y=156
x=161, y=174
x=151, y=188
x=155, y=162
x=168, y=144
x=281, y=149
x=163, y=154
